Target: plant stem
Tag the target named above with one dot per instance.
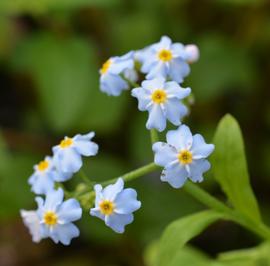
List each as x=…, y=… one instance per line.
x=85, y=178
x=204, y=197
x=149, y=168
x=154, y=136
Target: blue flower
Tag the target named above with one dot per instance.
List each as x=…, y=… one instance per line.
x=32, y=222
x=165, y=59
x=56, y=217
x=68, y=154
x=162, y=100
x=111, y=81
x=183, y=156
x=44, y=176
x=115, y=205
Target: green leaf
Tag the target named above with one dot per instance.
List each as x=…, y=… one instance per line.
x=179, y=232
x=257, y=256
x=230, y=167
x=63, y=70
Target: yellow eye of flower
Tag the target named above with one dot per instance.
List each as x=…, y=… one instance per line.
x=159, y=96
x=65, y=143
x=105, y=66
x=50, y=218
x=106, y=207
x=185, y=157
x=165, y=55
x=43, y=165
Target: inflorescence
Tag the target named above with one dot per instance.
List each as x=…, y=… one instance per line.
x=183, y=156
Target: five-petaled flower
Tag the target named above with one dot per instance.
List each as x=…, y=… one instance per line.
x=162, y=100
x=56, y=217
x=111, y=81
x=183, y=156
x=115, y=205
x=68, y=154
x=44, y=176
x=165, y=59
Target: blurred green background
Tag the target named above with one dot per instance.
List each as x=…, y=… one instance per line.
x=50, y=53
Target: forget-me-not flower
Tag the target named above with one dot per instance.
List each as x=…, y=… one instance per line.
x=111, y=81
x=183, y=156
x=162, y=100
x=32, y=222
x=56, y=217
x=165, y=59
x=115, y=205
x=44, y=176
x=68, y=154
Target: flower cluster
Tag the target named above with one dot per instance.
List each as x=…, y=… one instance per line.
x=164, y=66
x=54, y=217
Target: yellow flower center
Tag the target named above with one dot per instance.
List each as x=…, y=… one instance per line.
x=165, y=55
x=185, y=157
x=43, y=165
x=106, y=207
x=65, y=143
x=50, y=218
x=159, y=96
x=105, y=66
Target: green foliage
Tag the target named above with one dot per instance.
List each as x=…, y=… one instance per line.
x=66, y=75
x=41, y=6
x=179, y=232
x=257, y=256
x=230, y=167
x=14, y=189
x=223, y=65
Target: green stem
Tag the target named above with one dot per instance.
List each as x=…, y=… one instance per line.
x=154, y=136
x=149, y=168
x=211, y=202
x=202, y=196
x=85, y=178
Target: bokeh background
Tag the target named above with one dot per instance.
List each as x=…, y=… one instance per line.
x=50, y=53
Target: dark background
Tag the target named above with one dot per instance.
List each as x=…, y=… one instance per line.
x=50, y=53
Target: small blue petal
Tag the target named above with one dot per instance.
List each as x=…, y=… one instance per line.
x=164, y=153
x=110, y=192
x=69, y=211
x=199, y=148
x=126, y=201
x=156, y=118
x=112, y=84
x=118, y=221
x=53, y=199
x=64, y=233
x=180, y=138
x=197, y=168
x=175, y=174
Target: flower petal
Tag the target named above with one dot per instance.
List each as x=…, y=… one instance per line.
x=175, y=111
x=126, y=201
x=199, y=148
x=143, y=98
x=110, y=192
x=197, y=168
x=178, y=69
x=156, y=118
x=164, y=153
x=175, y=90
x=69, y=211
x=180, y=138
x=176, y=175
x=118, y=221
x=64, y=233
